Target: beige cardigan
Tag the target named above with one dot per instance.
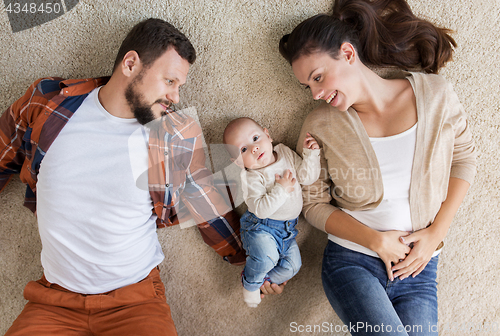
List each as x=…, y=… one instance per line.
x=350, y=173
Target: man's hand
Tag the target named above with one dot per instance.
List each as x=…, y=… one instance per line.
x=269, y=288
x=310, y=142
x=287, y=181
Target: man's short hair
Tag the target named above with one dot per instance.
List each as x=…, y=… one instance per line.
x=151, y=38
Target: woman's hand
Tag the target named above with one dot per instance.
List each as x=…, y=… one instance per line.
x=390, y=249
x=425, y=243
x=269, y=288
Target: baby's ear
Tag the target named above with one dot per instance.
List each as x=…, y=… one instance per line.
x=267, y=133
x=238, y=161
x=235, y=155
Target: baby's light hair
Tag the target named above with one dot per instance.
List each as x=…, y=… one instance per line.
x=233, y=125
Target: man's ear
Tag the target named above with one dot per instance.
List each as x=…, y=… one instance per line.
x=131, y=63
x=267, y=133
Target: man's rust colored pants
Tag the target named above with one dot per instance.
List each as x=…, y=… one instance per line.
x=137, y=309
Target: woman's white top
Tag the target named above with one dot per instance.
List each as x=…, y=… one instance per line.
x=395, y=157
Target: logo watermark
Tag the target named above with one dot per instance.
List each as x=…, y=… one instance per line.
x=363, y=327
x=226, y=175
x=359, y=327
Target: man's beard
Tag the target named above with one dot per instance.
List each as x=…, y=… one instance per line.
x=141, y=110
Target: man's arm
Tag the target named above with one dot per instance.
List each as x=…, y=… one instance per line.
x=218, y=223
x=13, y=125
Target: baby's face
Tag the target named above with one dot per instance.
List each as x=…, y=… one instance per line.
x=254, y=145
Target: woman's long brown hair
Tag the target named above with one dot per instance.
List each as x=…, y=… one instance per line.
x=384, y=32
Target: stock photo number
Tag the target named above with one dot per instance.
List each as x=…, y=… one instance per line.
x=26, y=14
x=33, y=8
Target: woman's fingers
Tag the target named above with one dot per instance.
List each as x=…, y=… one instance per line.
x=388, y=267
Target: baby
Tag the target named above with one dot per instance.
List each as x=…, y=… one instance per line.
x=270, y=180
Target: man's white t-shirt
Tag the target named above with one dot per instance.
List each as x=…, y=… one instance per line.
x=94, y=213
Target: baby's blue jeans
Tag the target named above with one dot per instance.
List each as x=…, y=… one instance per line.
x=271, y=250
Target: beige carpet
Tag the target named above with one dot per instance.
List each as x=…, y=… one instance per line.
x=239, y=72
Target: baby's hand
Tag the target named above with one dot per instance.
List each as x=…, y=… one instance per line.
x=287, y=181
x=310, y=142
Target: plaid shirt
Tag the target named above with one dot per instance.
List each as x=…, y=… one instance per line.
x=179, y=186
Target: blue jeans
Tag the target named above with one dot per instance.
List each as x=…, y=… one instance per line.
x=271, y=250
x=369, y=303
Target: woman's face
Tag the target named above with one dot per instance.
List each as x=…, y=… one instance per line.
x=329, y=79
